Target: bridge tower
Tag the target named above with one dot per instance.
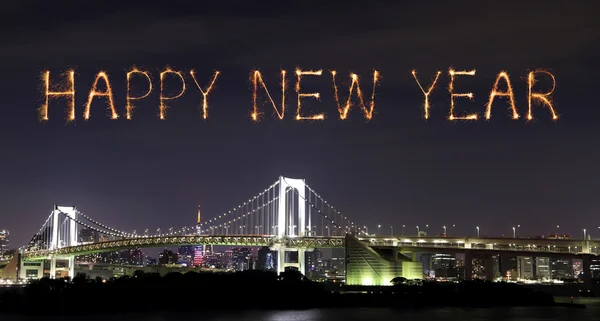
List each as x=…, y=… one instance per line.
x=62, y=231
x=291, y=222
x=64, y=234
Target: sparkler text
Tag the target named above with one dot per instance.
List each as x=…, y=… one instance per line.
x=65, y=88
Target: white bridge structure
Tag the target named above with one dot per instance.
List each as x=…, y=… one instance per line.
x=287, y=217
x=291, y=219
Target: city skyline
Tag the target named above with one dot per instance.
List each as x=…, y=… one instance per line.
x=397, y=169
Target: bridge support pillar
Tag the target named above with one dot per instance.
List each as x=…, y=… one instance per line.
x=71, y=260
x=281, y=255
x=302, y=261
x=53, y=267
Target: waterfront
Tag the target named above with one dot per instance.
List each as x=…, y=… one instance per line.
x=359, y=314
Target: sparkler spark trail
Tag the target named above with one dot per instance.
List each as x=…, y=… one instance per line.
x=163, y=106
x=469, y=95
x=68, y=92
x=129, y=106
x=543, y=98
x=301, y=73
x=355, y=86
x=204, y=93
x=257, y=78
x=95, y=93
x=426, y=106
x=508, y=93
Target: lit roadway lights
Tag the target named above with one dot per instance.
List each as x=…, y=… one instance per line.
x=65, y=88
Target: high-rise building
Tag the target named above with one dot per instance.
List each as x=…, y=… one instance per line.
x=508, y=267
x=425, y=259
x=478, y=269
x=525, y=267
x=198, y=249
x=595, y=267
x=4, y=242
x=167, y=257
x=314, y=260
x=266, y=259
x=185, y=255
x=132, y=257
x=241, y=258
x=444, y=265
x=542, y=268
x=577, y=268
x=561, y=269
x=496, y=260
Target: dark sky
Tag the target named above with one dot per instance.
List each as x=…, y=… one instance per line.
x=396, y=169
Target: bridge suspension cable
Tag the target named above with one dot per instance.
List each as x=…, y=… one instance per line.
x=353, y=225
x=259, y=215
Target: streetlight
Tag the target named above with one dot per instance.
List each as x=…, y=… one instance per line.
x=444, y=230
x=426, y=228
x=378, y=227
x=453, y=226
x=477, y=231
x=417, y=230
x=391, y=231
x=403, y=226
x=366, y=230
x=514, y=232
x=584, y=235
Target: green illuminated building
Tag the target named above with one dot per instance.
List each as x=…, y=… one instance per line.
x=367, y=266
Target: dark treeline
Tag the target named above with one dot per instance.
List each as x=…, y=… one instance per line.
x=148, y=292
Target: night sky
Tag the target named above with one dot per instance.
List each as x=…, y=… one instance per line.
x=396, y=169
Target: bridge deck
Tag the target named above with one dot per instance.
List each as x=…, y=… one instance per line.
x=443, y=244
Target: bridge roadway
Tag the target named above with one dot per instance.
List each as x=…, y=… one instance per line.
x=407, y=243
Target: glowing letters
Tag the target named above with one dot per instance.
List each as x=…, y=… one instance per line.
x=69, y=92
x=426, y=105
x=129, y=105
x=257, y=78
x=301, y=73
x=543, y=98
x=66, y=89
x=454, y=95
x=495, y=93
x=163, y=106
x=108, y=94
x=355, y=86
x=204, y=93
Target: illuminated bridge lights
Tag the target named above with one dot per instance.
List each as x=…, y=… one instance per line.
x=422, y=243
x=234, y=240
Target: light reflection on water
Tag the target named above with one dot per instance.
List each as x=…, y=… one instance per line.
x=362, y=314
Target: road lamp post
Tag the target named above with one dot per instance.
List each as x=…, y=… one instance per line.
x=514, y=233
x=477, y=231
x=391, y=231
x=444, y=230
x=366, y=230
x=417, y=230
x=403, y=226
x=378, y=227
x=426, y=228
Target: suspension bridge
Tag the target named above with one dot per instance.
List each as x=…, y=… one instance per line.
x=288, y=216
